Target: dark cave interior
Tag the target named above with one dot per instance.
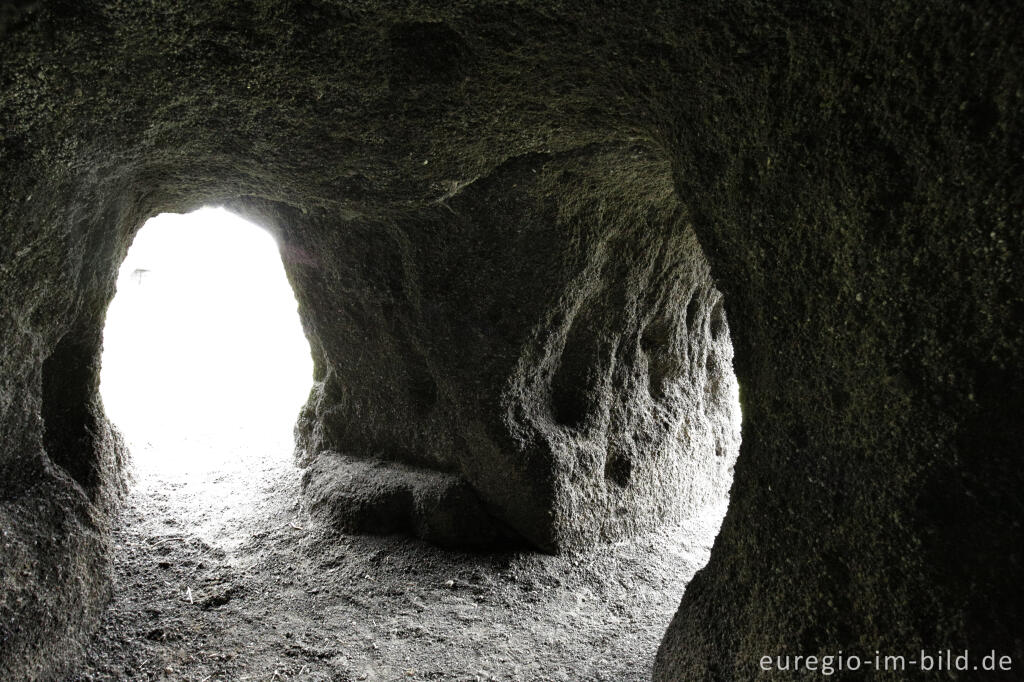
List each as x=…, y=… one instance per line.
x=534, y=247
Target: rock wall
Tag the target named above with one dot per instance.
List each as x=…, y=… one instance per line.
x=854, y=178
x=548, y=334
x=60, y=461
x=485, y=212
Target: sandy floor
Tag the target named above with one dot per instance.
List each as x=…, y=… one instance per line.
x=220, y=576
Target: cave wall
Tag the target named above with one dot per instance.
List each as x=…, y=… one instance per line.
x=856, y=187
x=486, y=214
x=542, y=346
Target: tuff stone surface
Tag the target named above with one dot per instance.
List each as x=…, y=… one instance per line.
x=485, y=213
x=544, y=333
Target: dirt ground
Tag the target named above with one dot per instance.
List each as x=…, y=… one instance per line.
x=220, y=576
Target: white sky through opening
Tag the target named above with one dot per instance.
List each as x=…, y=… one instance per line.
x=203, y=351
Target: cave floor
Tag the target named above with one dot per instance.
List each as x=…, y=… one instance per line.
x=220, y=575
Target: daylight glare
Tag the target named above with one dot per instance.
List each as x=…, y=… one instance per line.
x=203, y=343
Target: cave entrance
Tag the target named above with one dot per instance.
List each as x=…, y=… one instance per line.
x=205, y=365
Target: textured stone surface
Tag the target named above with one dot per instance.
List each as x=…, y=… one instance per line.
x=484, y=212
x=544, y=333
x=856, y=185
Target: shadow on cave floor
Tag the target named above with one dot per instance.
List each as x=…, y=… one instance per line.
x=220, y=575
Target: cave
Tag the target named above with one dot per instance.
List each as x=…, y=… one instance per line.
x=575, y=283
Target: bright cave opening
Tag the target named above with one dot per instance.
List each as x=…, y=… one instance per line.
x=205, y=365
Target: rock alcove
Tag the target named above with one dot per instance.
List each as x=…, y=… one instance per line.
x=496, y=219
